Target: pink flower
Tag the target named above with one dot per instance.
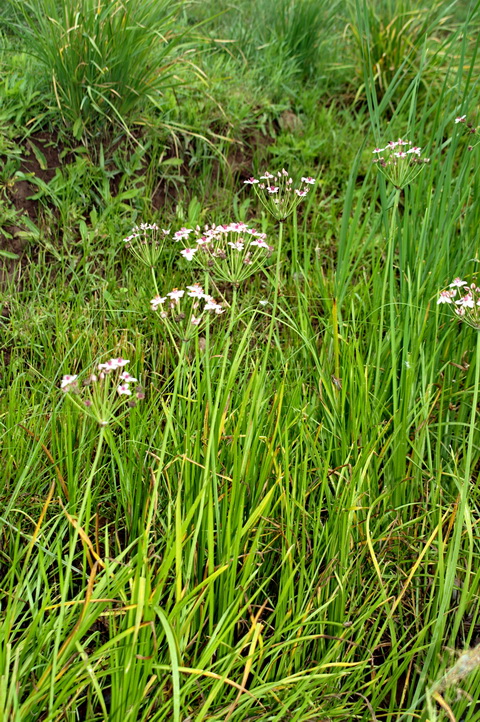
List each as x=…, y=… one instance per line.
x=466, y=301
x=125, y=376
x=260, y=243
x=461, y=119
x=188, y=253
x=272, y=189
x=124, y=390
x=157, y=301
x=195, y=291
x=445, y=297
x=311, y=181
x=176, y=295
x=212, y=305
x=110, y=365
x=67, y=381
x=195, y=321
x=457, y=283
x=182, y=233
x=238, y=245
x=251, y=180
x=301, y=193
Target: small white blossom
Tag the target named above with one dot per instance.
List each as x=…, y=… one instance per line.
x=67, y=381
x=195, y=291
x=176, y=294
x=124, y=390
x=444, y=297
x=157, y=301
x=188, y=253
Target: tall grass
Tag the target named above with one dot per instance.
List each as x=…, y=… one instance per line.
x=285, y=528
x=104, y=60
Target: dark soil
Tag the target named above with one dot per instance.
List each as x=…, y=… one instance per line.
x=19, y=195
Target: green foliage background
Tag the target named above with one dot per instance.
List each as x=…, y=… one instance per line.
x=286, y=527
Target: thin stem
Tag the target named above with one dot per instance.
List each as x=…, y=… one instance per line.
x=392, y=295
x=275, y=297
x=336, y=347
x=166, y=435
x=295, y=240
x=152, y=271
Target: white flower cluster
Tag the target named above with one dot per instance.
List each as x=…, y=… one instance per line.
x=400, y=161
x=70, y=382
x=99, y=392
x=467, y=304
x=146, y=242
x=231, y=252
x=277, y=193
x=182, y=311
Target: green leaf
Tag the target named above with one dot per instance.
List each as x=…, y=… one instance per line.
x=9, y=254
x=78, y=128
x=172, y=161
x=42, y=161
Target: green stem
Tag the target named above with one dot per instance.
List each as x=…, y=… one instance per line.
x=392, y=286
x=336, y=346
x=388, y=281
x=87, y=501
x=295, y=241
x=152, y=270
x=161, y=457
x=275, y=297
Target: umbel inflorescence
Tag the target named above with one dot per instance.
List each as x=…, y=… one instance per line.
x=102, y=394
x=230, y=252
x=185, y=311
x=464, y=300
x=146, y=243
x=277, y=193
x=400, y=161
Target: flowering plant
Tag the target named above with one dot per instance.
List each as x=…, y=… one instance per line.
x=231, y=252
x=185, y=312
x=467, y=305
x=277, y=194
x=469, y=128
x=400, y=162
x=146, y=243
x=101, y=395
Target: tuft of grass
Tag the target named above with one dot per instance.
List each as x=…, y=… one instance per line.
x=103, y=59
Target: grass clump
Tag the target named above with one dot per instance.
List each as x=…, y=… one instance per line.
x=104, y=60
